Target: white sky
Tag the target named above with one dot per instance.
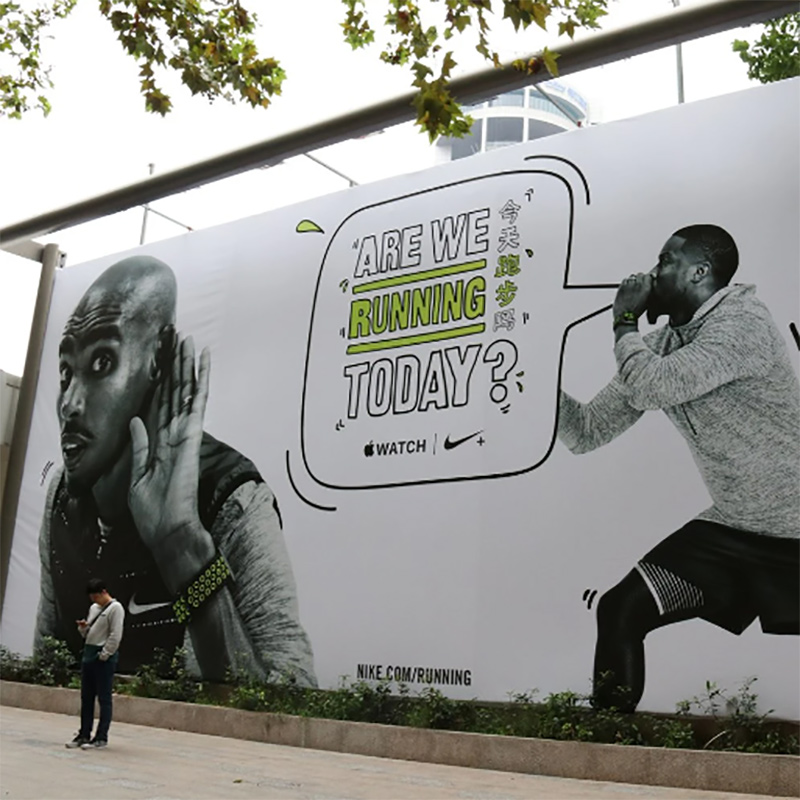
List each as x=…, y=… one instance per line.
x=99, y=137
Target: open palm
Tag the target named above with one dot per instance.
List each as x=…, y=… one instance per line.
x=164, y=474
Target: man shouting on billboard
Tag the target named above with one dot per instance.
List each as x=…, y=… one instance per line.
x=183, y=525
x=721, y=372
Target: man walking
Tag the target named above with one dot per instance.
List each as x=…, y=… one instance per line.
x=721, y=372
x=102, y=634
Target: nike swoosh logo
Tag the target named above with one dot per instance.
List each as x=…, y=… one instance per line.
x=134, y=608
x=449, y=445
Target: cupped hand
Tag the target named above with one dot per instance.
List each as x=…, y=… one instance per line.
x=165, y=471
x=633, y=294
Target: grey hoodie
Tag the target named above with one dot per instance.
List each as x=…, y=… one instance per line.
x=726, y=382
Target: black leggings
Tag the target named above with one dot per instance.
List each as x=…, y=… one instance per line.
x=625, y=615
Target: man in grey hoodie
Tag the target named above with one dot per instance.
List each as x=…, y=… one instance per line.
x=721, y=372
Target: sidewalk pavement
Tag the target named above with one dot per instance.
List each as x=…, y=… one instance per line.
x=158, y=764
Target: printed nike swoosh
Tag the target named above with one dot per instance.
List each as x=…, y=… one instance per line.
x=449, y=445
x=134, y=608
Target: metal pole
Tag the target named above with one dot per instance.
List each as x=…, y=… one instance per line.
x=331, y=169
x=593, y=51
x=679, y=61
x=22, y=424
x=168, y=218
x=146, y=209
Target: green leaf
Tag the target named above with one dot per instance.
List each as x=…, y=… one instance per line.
x=540, y=12
x=550, y=58
x=567, y=27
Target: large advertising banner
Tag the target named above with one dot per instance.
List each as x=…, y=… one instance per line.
x=528, y=420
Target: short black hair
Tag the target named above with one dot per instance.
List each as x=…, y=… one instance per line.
x=95, y=586
x=717, y=245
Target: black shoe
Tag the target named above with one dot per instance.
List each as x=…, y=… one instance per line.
x=94, y=744
x=78, y=741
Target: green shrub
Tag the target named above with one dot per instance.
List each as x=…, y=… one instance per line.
x=742, y=727
x=671, y=733
x=737, y=723
x=51, y=665
x=433, y=709
x=166, y=678
x=14, y=667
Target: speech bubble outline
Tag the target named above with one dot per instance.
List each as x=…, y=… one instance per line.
x=565, y=285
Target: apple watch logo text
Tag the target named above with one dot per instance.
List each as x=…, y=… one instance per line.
x=403, y=447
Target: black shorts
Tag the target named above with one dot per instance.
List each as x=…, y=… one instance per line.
x=727, y=577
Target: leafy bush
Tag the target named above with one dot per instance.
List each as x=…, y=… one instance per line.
x=562, y=715
x=742, y=727
x=359, y=701
x=671, y=733
x=433, y=709
x=166, y=678
x=735, y=721
x=52, y=665
x=14, y=667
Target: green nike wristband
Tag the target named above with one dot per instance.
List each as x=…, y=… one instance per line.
x=206, y=584
x=625, y=318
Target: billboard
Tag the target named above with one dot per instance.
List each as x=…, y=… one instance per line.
x=514, y=422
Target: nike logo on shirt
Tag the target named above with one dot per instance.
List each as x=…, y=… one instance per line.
x=134, y=607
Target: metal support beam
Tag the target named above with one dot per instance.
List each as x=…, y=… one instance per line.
x=679, y=69
x=26, y=248
x=331, y=169
x=592, y=51
x=679, y=61
x=152, y=168
x=168, y=218
x=51, y=260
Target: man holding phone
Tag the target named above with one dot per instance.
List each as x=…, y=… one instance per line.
x=102, y=634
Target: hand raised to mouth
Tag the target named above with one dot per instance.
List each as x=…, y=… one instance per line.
x=633, y=294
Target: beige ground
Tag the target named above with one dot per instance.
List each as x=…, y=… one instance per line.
x=160, y=765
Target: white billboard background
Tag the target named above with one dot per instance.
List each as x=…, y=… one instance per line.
x=484, y=574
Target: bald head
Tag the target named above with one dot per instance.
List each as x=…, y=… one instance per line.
x=140, y=290
x=115, y=349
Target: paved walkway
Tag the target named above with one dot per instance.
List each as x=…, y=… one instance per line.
x=158, y=764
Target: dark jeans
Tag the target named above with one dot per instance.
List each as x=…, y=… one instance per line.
x=97, y=678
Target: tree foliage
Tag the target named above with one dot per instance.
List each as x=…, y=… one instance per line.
x=210, y=44
x=427, y=48
x=23, y=86
x=776, y=55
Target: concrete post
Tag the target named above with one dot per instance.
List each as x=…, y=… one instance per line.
x=51, y=260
